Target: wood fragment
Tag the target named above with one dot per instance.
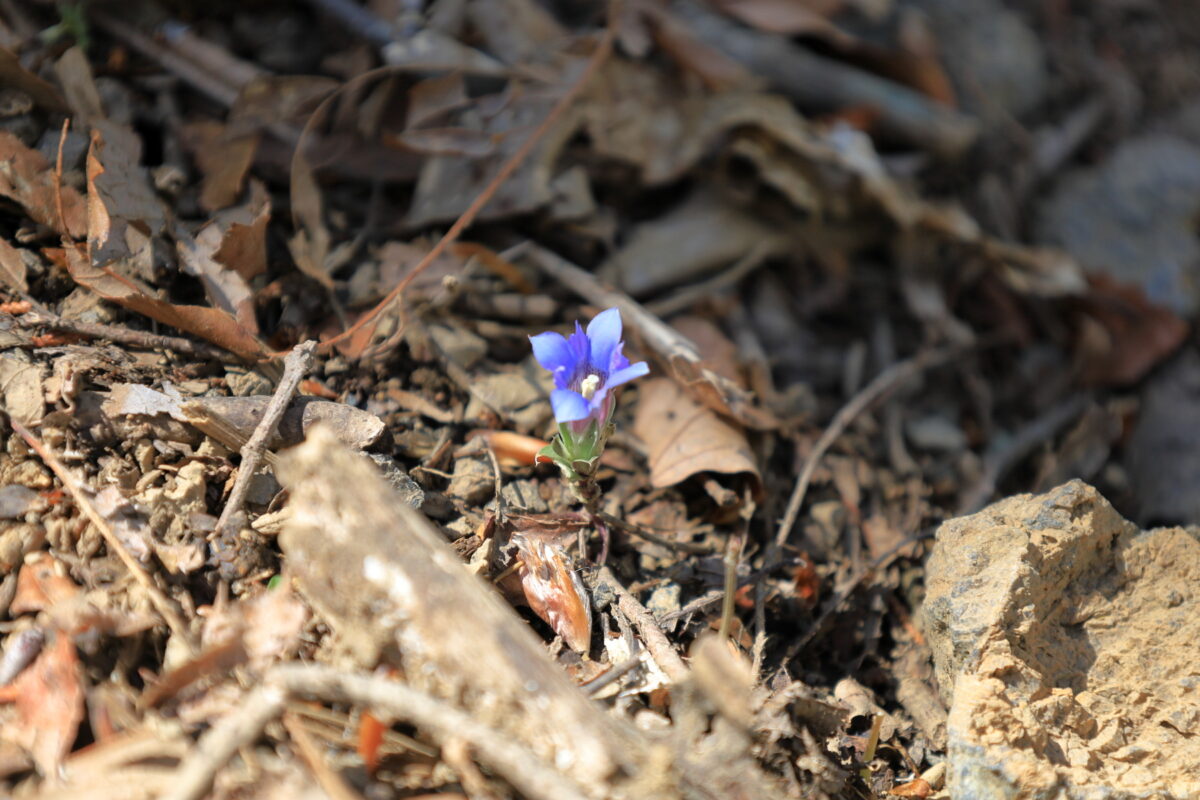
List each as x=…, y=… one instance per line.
x=883, y=383
x=121, y=335
x=295, y=367
x=828, y=85
x=656, y=641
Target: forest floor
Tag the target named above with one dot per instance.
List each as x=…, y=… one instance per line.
x=887, y=261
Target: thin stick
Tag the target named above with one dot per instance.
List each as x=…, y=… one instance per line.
x=232, y=732
x=601, y=54
x=295, y=366
x=653, y=538
x=997, y=463
x=883, y=383
x=82, y=496
x=521, y=768
x=656, y=641
x=115, y=333
x=330, y=780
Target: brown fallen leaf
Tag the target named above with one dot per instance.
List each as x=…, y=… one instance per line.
x=15, y=76
x=553, y=589
x=48, y=696
x=211, y=324
x=12, y=266
x=27, y=178
x=239, y=235
x=790, y=17
x=918, y=788
x=1122, y=335
x=119, y=196
x=684, y=438
x=224, y=157
x=42, y=583
x=226, y=290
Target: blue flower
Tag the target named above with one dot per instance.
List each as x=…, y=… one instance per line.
x=586, y=366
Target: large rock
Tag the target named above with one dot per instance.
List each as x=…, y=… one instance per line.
x=1067, y=646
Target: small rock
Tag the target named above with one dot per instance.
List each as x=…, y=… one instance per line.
x=936, y=433
x=992, y=54
x=1134, y=218
x=17, y=501
x=408, y=489
x=1163, y=454
x=664, y=600
x=247, y=382
x=1060, y=633
x=460, y=345
x=473, y=481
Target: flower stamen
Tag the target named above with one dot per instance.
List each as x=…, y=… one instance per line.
x=589, y=386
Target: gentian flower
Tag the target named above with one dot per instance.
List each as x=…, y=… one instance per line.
x=586, y=368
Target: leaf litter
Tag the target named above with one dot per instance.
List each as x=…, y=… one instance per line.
x=403, y=582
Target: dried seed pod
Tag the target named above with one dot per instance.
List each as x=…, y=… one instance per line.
x=553, y=589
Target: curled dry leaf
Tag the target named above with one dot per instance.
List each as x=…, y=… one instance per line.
x=49, y=698
x=224, y=157
x=553, y=589
x=684, y=438
x=512, y=448
x=12, y=267
x=41, y=584
x=119, y=196
x=210, y=324
x=27, y=178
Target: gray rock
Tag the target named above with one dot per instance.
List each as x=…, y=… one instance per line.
x=992, y=55
x=408, y=489
x=1064, y=641
x=936, y=433
x=1134, y=218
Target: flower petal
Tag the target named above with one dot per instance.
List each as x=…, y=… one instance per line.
x=552, y=351
x=568, y=406
x=627, y=374
x=604, y=331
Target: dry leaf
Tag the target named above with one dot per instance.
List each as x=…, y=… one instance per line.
x=553, y=589
x=225, y=289
x=212, y=324
x=15, y=76
x=21, y=392
x=41, y=584
x=224, y=158
x=12, y=265
x=119, y=195
x=27, y=178
x=1122, y=334
x=684, y=438
x=49, y=703
x=241, y=234
x=433, y=98
x=789, y=17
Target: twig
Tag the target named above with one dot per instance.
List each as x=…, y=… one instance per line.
x=883, y=383
x=358, y=20
x=331, y=782
x=824, y=83
x=295, y=366
x=232, y=732
x=82, y=496
x=527, y=774
x=656, y=641
x=653, y=538
x=997, y=463
x=134, y=338
x=599, y=56
x=843, y=592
